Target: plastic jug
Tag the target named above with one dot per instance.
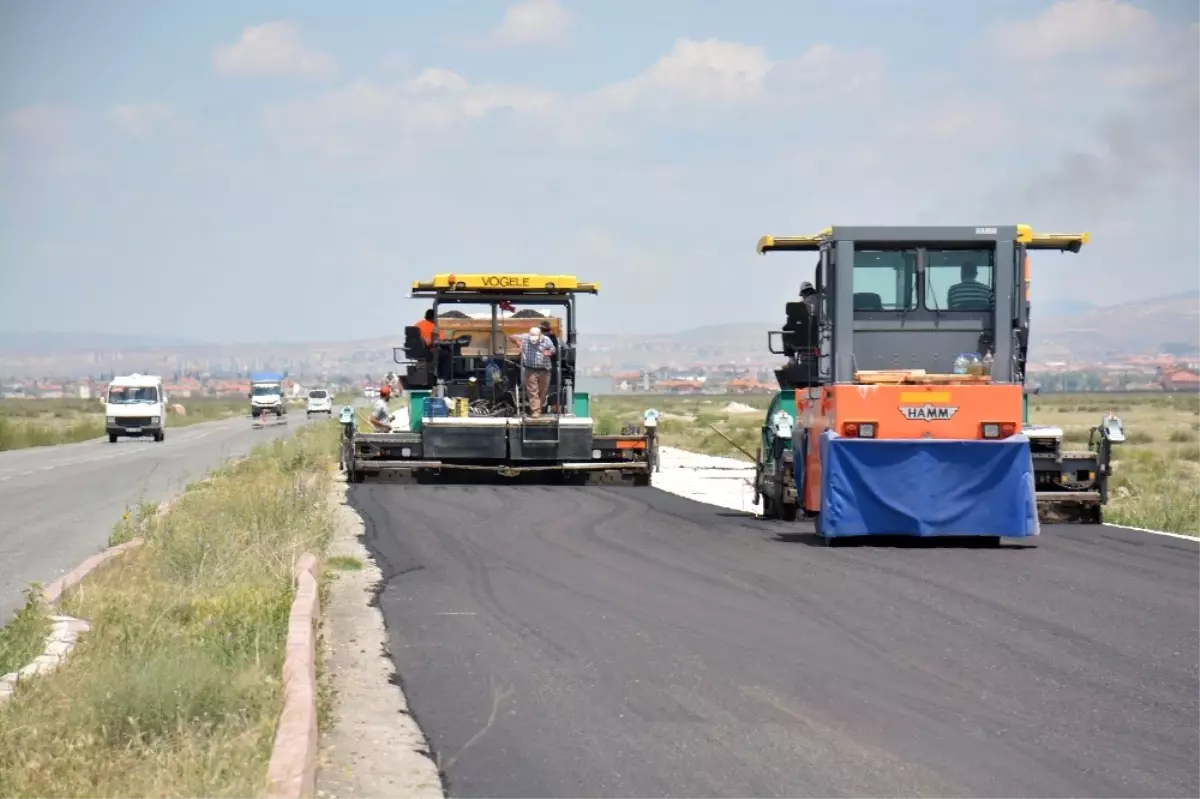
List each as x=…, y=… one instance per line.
x=960, y=364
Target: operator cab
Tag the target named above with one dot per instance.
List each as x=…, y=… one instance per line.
x=949, y=290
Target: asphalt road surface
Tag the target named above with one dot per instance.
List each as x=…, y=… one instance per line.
x=58, y=504
x=625, y=642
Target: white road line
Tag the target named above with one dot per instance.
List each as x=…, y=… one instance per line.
x=1191, y=538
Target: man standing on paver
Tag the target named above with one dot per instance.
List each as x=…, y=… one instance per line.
x=536, y=351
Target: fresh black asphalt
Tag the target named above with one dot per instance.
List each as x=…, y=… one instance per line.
x=565, y=641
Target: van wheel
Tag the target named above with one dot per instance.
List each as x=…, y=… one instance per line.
x=159, y=436
x=112, y=438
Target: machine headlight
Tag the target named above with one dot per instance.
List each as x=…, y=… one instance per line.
x=596, y=454
x=405, y=452
x=154, y=420
x=112, y=420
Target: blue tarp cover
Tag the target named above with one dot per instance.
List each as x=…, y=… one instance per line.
x=926, y=487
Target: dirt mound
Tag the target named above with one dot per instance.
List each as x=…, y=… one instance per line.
x=740, y=407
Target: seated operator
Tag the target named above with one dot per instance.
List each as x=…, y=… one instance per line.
x=426, y=327
x=970, y=294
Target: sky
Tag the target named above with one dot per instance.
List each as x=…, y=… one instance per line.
x=281, y=171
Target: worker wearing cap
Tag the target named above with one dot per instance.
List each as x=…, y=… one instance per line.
x=381, y=417
x=809, y=295
x=536, y=354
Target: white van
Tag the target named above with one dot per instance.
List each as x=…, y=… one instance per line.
x=319, y=401
x=135, y=405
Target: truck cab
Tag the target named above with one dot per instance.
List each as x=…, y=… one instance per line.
x=266, y=394
x=135, y=406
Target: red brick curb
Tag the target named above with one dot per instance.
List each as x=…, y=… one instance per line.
x=292, y=772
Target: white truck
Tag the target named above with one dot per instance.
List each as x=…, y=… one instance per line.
x=266, y=394
x=136, y=406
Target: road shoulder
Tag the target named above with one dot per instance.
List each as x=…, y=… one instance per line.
x=374, y=747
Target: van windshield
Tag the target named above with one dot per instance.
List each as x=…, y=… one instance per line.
x=317, y=394
x=265, y=390
x=128, y=395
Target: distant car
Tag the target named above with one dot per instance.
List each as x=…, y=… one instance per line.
x=319, y=401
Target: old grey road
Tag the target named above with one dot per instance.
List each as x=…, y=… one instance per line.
x=625, y=642
x=58, y=504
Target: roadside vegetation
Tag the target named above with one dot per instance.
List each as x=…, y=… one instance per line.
x=46, y=422
x=1156, y=473
x=686, y=421
x=24, y=636
x=177, y=690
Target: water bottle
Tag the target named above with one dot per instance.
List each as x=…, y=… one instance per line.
x=974, y=365
x=987, y=362
x=960, y=364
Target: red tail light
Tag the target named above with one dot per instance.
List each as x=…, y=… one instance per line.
x=997, y=429
x=860, y=429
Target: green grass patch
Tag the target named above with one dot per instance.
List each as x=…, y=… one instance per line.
x=176, y=690
x=49, y=422
x=687, y=422
x=24, y=637
x=207, y=409
x=344, y=563
x=24, y=432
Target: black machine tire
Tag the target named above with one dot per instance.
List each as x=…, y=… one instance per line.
x=357, y=475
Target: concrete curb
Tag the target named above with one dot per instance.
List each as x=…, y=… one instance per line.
x=65, y=630
x=292, y=771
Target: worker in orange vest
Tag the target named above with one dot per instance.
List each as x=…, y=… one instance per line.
x=426, y=327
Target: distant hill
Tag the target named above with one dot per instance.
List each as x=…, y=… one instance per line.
x=1077, y=331
x=46, y=342
x=1134, y=327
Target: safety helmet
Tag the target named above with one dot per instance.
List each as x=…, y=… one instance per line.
x=385, y=391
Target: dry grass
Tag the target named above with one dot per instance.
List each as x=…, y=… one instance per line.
x=41, y=423
x=1156, y=481
x=685, y=421
x=176, y=690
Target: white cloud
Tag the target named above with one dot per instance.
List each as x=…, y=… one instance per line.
x=1076, y=27
x=272, y=49
x=710, y=71
x=367, y=118
x=532, y=22
x=139, y=120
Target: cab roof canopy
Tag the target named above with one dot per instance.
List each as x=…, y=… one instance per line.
x=503, y=283
x=1022, y=234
